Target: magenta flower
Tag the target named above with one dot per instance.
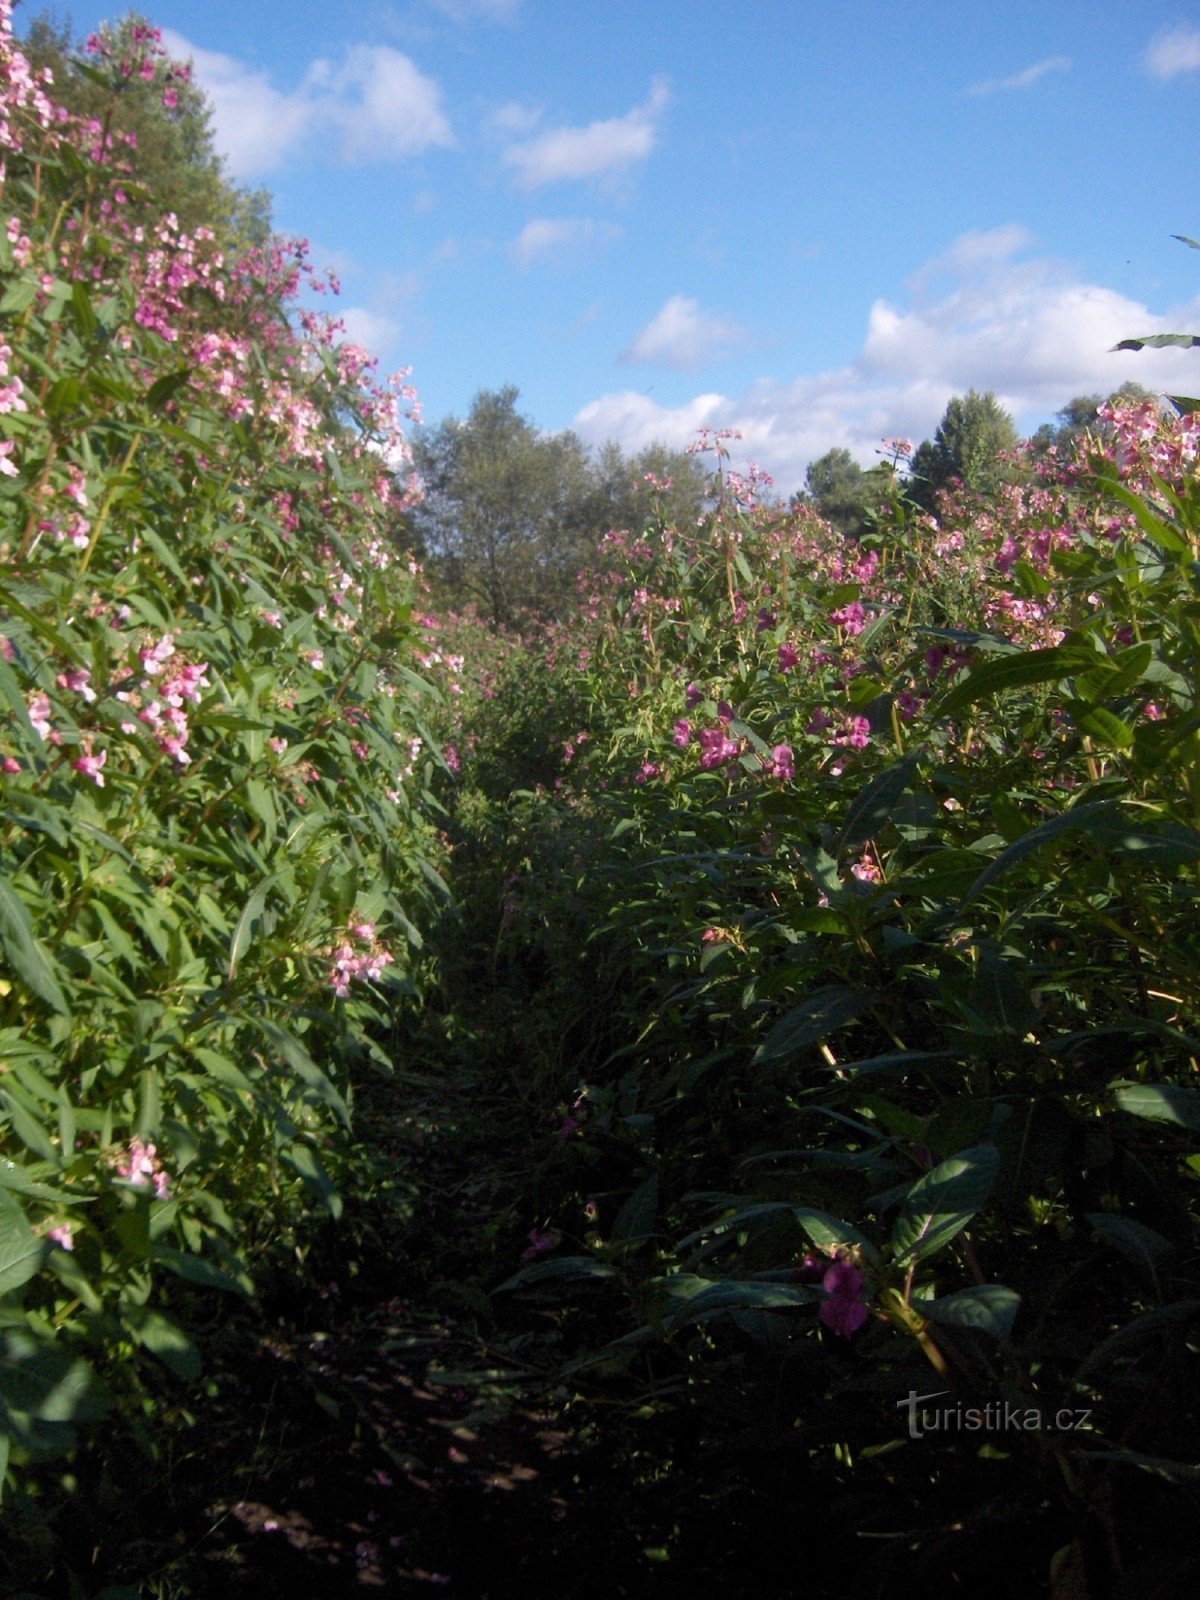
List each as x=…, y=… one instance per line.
x=693, y=695
x=843, y=1310
x=789, y=657
x=783, y=765
x=716, y=749
x=682, y=733
x=849, y=617
x=538, y=1245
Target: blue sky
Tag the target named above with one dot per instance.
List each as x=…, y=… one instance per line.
x=815, y=221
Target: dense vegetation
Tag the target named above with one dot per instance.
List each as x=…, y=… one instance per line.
x=758, y=991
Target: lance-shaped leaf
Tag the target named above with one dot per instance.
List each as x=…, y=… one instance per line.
x=990, y=1307
x=1160, y=1102
x=25, y=954
x=809, y=1022
x=21, y=1251
x=941, y=1204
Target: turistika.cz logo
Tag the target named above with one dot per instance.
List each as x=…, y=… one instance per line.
x=996, y=1416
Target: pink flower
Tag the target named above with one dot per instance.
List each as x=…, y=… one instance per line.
x=40, y=713
x=716, y=750
x=646, y=771
x=450, y=755
x=79, y=682
x=10, y=764
x=693, y=695
x=141, y=1166
x=681, y=734
x=90, y=765
x=849, y=617
x=856, y=732
x=538, y=1245
x=783, y=764
x=62, y=1235
x=843, y=1309
x=789, y=657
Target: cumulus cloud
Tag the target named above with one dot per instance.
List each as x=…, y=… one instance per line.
x=256, y=126
x=682, y=336
x=375, y=331
x=382, y=105
x=1175, y=51
x=374, y=104
x=1028, y=329
x=1020, y=80
x=593, y=151
x=546, y=238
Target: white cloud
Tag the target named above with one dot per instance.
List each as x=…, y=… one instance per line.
x=1173, y=52
x=545, y=237
x=682, y=336
x=375, y=331
x=381, y=103
x=1028, y=329
x=590, y=152
x=1020, y=80
x=375, y=104
x=515, y=119
x=257, y=127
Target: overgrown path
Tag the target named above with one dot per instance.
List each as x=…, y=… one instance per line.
x=388, y=1447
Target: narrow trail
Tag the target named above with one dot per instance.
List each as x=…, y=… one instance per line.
x=387, y=1448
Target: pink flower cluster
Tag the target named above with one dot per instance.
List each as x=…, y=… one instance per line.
x=346, y=963
x=141, y=1166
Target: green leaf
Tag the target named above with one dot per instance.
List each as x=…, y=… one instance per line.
x=872, y=807
x=809, y=1023
x=635, y=1220
x=166, y=387
x=303, y=1160
x=1159, y=1102
x=942, y=1203
x=691, y=1299
x=26, y=956
x=1025, y=670
x=1138, y=1332
x=248, y=923
x=48, y=1383
x=305, y=1068
x=18, y=297
x=990, y=1307
x=21, y=1251
x=562, y=1269
x=166, y=1339
x=1083, y=816
x=1161, y=341
x=1142, y=1245
x=197, y=1269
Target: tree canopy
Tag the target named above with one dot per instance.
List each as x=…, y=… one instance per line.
x=973, y=442
x=129, y=82
x=511, y=513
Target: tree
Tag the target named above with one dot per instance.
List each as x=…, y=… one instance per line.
x=972, y=442
x=501, y=505
x=840, y=490
x=629, y=490
x=132, y=85
x=1078, y=417
x=511, y=514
